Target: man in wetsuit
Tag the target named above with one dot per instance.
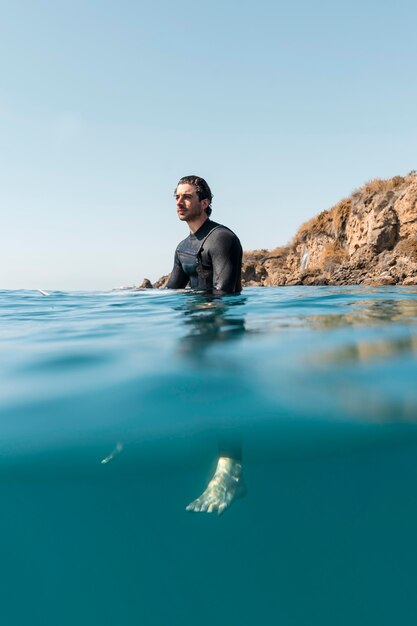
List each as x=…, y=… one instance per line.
x=209, y=259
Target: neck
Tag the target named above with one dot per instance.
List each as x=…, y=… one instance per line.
x=194, y=225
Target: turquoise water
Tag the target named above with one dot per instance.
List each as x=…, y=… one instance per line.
x=319, y=384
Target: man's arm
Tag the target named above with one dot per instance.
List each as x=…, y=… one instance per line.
x=178, y=278
x=226, y=256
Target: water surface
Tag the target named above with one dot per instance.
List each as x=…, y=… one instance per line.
x=319, y=383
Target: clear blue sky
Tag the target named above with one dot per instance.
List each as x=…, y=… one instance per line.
x=283, y=107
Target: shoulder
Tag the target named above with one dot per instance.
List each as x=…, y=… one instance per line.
x=223, y=234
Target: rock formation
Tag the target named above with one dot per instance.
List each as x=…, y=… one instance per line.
x=146, y=284
x=161, y=282
x=369, y=238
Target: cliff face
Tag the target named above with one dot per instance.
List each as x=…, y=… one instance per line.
x=369, y=238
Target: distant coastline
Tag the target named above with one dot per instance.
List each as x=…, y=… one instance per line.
x=368, y=238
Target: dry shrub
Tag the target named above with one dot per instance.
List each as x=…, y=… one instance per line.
x=407, y=247
x=319, y=225
x=331, y=223
x=340, y=214
x=260, y=256
x=255, y=255
x=332, y=256
x=397, y=181
x=380, y=185
x=279, y=251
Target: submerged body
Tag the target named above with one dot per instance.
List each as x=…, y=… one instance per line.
x=210, y=260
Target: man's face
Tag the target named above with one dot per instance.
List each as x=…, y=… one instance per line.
x=189, y=206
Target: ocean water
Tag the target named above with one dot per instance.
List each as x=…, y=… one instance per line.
x=319, y=384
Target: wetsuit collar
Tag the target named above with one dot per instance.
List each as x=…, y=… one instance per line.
x=203, y=230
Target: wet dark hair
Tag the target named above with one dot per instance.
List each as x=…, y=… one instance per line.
x=201, y=187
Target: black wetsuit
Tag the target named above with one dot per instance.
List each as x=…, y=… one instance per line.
x=210, y=259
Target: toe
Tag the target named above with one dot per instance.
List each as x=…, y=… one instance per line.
x=222, y=507
x=205, y=505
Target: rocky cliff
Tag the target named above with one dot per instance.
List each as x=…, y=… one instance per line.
x=369, y=238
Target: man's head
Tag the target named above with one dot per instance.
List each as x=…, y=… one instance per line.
x=193, y=197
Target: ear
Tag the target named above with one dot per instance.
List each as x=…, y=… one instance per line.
x=205, y=203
